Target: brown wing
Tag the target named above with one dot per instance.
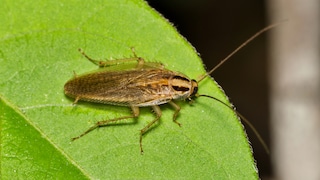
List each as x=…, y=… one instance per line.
x=136, y=87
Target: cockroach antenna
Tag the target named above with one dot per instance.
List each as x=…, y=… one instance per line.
x=244, y=119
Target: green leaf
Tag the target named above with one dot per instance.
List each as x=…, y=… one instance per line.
x=38, y=54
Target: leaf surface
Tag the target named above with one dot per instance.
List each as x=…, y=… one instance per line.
x=38, y=54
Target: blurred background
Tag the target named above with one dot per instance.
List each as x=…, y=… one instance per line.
x=252, y=78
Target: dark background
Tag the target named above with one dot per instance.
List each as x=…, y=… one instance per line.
x=215, y=28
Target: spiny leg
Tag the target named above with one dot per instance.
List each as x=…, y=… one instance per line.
x=135, y=113
x=177, y=108
x=101, y=63
x=154, y=65
x=75, y=74
x=158, y=112
x=76, y=100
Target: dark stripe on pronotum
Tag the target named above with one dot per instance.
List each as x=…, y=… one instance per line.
x=180, y=88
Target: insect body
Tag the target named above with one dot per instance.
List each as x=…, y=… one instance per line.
x=144, y=85
x=141, y=84
x=124, y=83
